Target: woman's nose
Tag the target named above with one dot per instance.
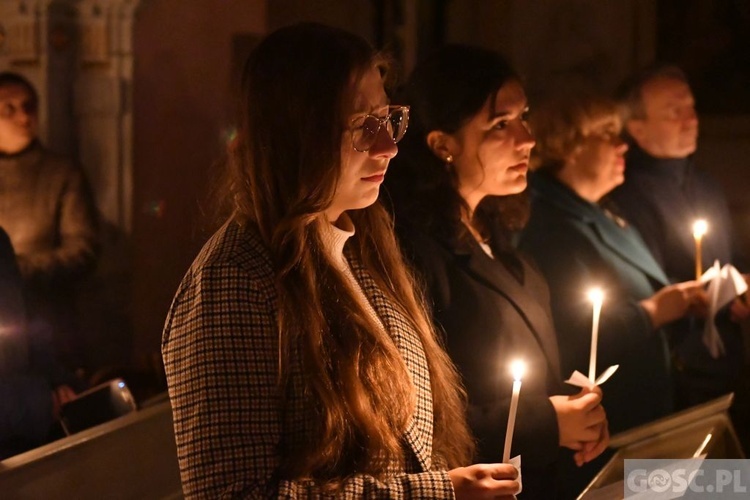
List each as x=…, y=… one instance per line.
x=621, y=145
x=384, y=146
x=524, y=138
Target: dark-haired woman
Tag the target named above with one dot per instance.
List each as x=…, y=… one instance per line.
x=468, y=150
x=299, y=359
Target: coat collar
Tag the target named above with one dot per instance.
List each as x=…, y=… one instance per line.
x=622, y=241
x=495, y=276
x=639, y=160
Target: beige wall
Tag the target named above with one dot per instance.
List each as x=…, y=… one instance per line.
x=183, y=53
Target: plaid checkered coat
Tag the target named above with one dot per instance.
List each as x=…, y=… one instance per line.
x=220, y=349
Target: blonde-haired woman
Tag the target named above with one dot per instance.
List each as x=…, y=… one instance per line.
x=579, y=241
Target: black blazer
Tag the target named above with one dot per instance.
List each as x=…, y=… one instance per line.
x=490, y=318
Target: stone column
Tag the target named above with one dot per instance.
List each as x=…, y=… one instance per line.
x=103, y=102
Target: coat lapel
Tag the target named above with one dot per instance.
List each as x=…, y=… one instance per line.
x=494, y=275
x=418, y=433
x=625, y=242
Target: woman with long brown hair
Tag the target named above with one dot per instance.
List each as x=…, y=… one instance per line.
x=299, y=358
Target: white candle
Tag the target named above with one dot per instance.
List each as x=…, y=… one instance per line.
x=517, y=368
x=596, y=296
x=700, y=228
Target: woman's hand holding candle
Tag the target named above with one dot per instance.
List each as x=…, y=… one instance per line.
x=485, y=481
x=579, y=417
x=675, y=301
x=592, y=449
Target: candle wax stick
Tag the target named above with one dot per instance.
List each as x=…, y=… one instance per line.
x=596, y=296
x=698, y=258
x=511, y=420
x=594, y=341
x=700, y=228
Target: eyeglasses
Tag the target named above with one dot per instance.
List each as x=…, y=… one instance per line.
x=365, y=129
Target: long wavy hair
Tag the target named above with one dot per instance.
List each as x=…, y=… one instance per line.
x=283, y=169
x=445, y=92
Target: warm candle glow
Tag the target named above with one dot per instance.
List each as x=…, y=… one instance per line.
x=518, y=369
x=700, y=228
x=596, y=296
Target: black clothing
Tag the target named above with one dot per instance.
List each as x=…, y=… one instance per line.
x=662, y=198
x=492, y=312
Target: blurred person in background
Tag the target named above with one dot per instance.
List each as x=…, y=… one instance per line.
x=664, y=192
x=579, y=242
x=48, y=211
x=33, y=386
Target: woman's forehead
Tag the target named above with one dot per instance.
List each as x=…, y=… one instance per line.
x=509, y=95
x=369, y=92
x=601, y=121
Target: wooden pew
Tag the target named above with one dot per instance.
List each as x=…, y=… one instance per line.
x=131, y=457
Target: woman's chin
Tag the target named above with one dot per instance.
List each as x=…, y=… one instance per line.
x=517, y=186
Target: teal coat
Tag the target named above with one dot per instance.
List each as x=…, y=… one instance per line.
x=578, y=245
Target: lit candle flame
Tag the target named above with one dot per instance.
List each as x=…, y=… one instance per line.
x=518, y=369
x=700, y=228
x=596, y=295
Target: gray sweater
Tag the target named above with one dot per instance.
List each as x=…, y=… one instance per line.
x=47, y=209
